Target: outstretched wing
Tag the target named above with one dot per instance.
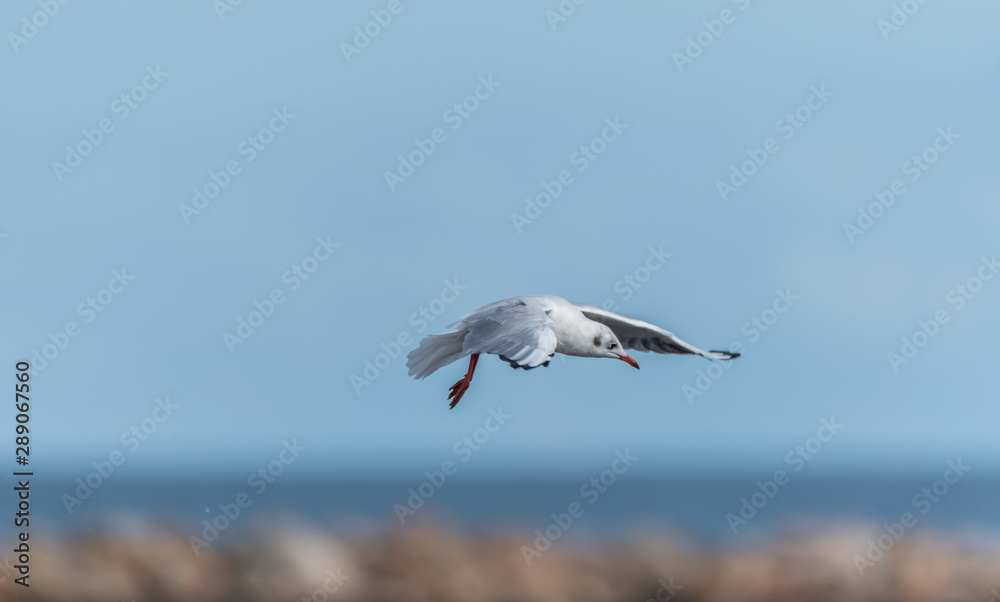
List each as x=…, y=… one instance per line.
x=643, y=336
x=519, y=331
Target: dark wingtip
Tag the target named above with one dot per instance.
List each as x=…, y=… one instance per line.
x=732, y=356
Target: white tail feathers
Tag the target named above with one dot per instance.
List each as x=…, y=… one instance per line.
x=435, y=351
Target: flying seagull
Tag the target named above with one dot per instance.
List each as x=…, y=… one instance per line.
x=527, y=331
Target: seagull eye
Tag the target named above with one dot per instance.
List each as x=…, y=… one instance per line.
x=613, y=345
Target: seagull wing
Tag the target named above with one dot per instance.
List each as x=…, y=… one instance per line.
x=518, y=330
x=643, y=336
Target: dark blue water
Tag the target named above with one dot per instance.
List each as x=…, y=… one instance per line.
x=691, y=506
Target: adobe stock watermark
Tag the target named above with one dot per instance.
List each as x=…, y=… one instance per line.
x=223, y=8
x=582, y=159
x=795, y=459
x=634, y=280
x=365, y=34
x=293, y=277
x=420, y=320
x=752, y=329
x=33, y=24
x=899, y=17
x=454, y=117
x=787, y=126
x=464, y=449
x=591, y=490
x=666, y=591
x=131, y=440
x=248, y=148
x=87, y=309
x=564, y=10
x=922, y=502
x=7, y=570
x=712, y=30
x=331, y=585
x=914, y=167
x=121, y=107
x=258, y=481
x=957, y=298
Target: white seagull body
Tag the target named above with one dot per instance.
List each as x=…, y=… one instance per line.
x=527, y=331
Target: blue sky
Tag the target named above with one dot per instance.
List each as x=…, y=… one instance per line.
x=265, y=101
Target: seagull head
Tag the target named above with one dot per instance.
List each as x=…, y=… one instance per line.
x=606, y=344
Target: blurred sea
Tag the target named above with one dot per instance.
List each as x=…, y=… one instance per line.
x=694, y=508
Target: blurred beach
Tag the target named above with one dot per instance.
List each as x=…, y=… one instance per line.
x=679, y=538
x=441, y=564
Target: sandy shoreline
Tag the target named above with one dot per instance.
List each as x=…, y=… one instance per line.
x=441, y=564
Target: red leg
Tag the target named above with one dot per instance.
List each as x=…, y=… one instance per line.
x=459, y=388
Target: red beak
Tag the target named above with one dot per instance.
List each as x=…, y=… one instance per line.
x=628, y=360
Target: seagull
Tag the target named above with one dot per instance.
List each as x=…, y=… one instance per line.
x=527, y=331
